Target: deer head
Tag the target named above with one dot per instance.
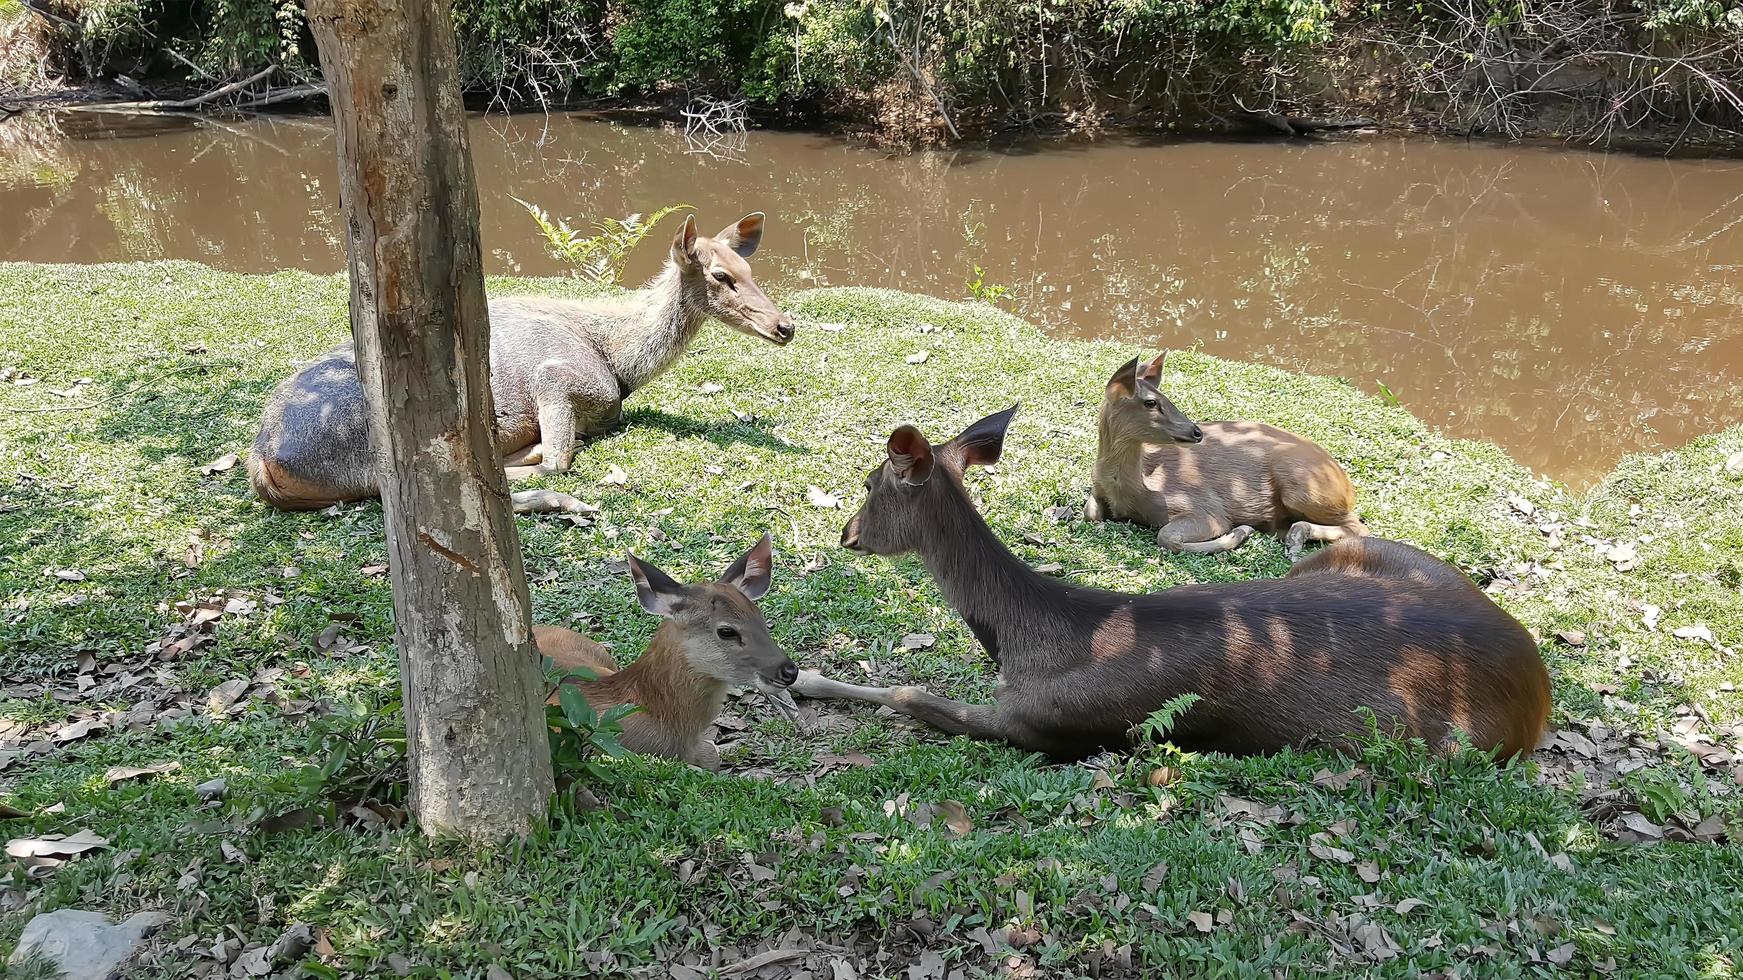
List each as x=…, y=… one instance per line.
x=1134, y=407
x=716, y=269
x=901, y=490
x=720, y=630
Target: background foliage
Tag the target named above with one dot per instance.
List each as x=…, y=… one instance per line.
x=1592, y=65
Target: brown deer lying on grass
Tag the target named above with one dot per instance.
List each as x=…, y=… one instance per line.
x=1365, y=624
x=714, y=637
x=1208, y=487
x=558, y=368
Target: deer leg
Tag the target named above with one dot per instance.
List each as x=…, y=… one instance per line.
x=556, y=441
x=1301, y=532
x=1093, y=509
x=571, y=396
x=954, y=717
x=525, y=456
x=1202, y=534
x=704, y=755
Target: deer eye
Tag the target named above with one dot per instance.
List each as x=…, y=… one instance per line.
x=727, y=633
x=1149, y=403
x=723, y=278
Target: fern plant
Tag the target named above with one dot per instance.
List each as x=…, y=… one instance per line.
x=1155, y=728
x=598, y=257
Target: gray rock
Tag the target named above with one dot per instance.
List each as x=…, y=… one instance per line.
x=84, y=945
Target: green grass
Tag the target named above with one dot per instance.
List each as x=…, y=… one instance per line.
x=1508, y=863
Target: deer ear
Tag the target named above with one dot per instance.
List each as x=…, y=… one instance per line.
x=751, y=573
x=744, y=236
x=1152, y=372
x=656, y=590
x=910, y=455
x=684, y=242
x=1124, y=380
x=983, y=442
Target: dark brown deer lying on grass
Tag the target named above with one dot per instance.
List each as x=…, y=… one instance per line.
x=714, y=637
x=558, y=368
x=1209, y=487
x=1364, y=624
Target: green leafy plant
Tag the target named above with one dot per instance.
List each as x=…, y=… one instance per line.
x=579, y=735
x=360, y=750
x=600, y=256
x=1155, y=728
x=981, y=289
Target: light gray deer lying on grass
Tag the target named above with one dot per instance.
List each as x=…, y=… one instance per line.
x=558, y=368
x=1208, y=487
x=714, y=637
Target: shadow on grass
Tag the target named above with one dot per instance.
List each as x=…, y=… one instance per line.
x=755, y=432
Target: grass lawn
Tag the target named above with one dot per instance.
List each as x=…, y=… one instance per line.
x=842, y=841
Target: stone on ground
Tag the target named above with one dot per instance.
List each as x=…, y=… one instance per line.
x=84, y=945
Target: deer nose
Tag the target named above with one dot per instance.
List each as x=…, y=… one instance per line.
x=788, y=673
x=784, y=329
x=1197, y=434
x=850, y=534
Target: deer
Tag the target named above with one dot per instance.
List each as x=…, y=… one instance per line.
x=559, y=369
x=1366, y=631
x=1207, y=488
x=713, y=637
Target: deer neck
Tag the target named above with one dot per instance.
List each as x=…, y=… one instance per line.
x=678, y=703
x=669, y=311
x=1122, y=465
x=1017, y=614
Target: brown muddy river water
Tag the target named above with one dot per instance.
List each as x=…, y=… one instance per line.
x=1569, y=306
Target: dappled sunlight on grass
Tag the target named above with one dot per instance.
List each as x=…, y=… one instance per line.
x=116, y=492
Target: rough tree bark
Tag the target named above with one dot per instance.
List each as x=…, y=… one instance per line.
x=479, y=758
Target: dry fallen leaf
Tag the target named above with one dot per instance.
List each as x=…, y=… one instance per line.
x=1639, y=823
x=55, y=845
x=1699, y=632
x=1320, y=846
x=1200, y=921
x=1368, y=871
x=709, y=388
x=918, y=358
x=615, y=476
x=760, y=960
x=1154, y=877
x=956, y=817
x=219, y=465
x=1162, y=776
x=818, y=497
x=1409, y=905
x=222, y=697
x=918, y=641
x=1573, y=638
x=121, y=774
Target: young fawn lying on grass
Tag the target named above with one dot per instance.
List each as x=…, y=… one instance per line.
x=714, y=637
x=559, y=368
x=1207, y=487
x=1364, y=624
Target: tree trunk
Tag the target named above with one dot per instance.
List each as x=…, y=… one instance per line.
x=479, y=757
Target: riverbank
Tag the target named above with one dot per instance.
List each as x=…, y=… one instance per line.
x=120, y=502
x=1661, y=73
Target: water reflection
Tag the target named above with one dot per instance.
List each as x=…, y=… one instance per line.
x=1568, y=306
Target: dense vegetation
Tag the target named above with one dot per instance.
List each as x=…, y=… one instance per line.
x=1589, y=66
x=159, y=628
